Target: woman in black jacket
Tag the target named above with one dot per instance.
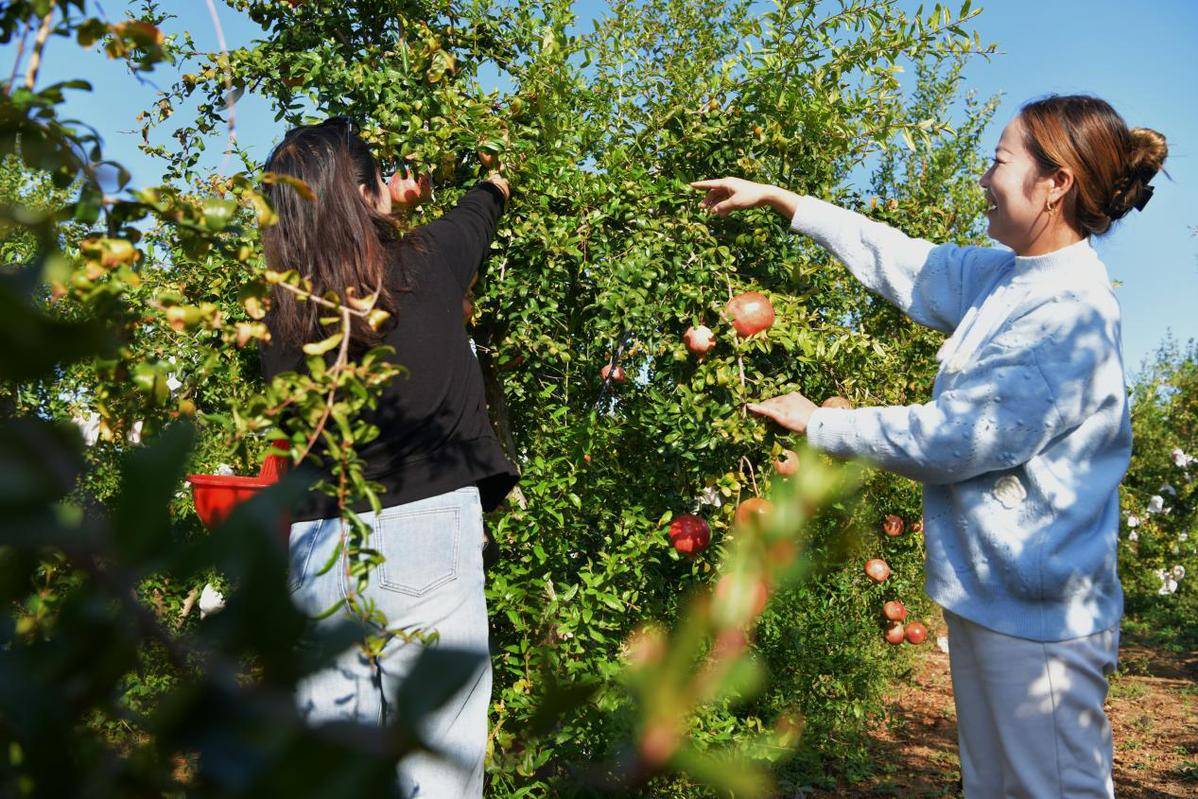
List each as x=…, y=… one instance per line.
x=436, y=455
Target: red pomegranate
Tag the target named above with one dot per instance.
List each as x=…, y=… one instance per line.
x=787, y=463
x=689, y=534
x=699, y=340
x=617, y=373
x=409, y=191
x=877, y=569
x=915, y=633
x=750, y=313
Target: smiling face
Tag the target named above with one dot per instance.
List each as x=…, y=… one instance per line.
x=1019, y=194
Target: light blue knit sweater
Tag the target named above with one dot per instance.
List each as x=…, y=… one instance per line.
x=1027, y=436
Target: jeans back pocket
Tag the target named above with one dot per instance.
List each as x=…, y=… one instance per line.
x=301, y=543
x=419, y=547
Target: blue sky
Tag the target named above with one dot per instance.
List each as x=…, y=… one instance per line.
x=1139, y=57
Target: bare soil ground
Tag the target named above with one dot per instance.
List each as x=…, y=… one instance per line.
x=1153, y=707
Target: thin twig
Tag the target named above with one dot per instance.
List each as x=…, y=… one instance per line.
x=350, y=588
x=230, y=103
x=740, y=361
x=39, y=44
x=188, y=603
x=16, y=64
x=342, y=354
x=744, y=459
x=338, y=365
x=310, y=297
x=324, y=418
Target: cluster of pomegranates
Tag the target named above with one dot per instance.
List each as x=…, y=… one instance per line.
x=894, y=611
x=409, y=190
x=750, y=313
x=690, y=534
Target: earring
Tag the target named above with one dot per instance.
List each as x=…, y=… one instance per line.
x=1050, y=208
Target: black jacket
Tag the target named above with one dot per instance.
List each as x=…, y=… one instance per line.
x=434, y=433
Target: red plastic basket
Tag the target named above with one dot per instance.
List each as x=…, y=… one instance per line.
x=216, y=495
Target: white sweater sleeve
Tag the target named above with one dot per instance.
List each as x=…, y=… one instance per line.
x=932, y=284
x=1040, y=377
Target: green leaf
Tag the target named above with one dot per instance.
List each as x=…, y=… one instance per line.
x=321, y=347
x=36, y=344
x=150, y=476
x=301, y=188
x=331, y=561
x=218, y=213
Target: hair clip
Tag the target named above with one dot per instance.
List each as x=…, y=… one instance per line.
x=1145, y=196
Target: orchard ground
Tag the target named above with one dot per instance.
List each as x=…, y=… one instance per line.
x=1153, y=707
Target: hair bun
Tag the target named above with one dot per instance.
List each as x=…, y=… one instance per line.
x=1146, y=154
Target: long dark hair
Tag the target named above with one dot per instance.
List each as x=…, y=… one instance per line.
x=336, y=240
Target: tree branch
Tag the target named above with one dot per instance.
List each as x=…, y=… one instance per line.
x=230, y=103
x=39, y=44
x=16, y=64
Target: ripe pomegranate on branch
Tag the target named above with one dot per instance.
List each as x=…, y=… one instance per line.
x=787, y=463
x=750, y=312
x=615, y=373
x=408, y=191
x=699, y=340
x=877, y=569
x=689, y=534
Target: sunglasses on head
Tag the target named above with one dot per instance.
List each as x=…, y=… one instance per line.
x=343, y=122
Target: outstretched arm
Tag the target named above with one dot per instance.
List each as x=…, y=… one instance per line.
x=466, y=230
x=933, y=284
x=1045, y=374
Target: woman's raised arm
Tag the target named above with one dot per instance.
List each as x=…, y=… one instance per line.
x=464, y=232
x=933, y=284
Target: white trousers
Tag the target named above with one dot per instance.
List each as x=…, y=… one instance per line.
x=1030, y=718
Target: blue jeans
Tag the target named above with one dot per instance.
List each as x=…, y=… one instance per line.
x=432, y=580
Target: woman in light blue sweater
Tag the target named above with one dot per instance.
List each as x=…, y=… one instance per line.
x=1024, y=442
